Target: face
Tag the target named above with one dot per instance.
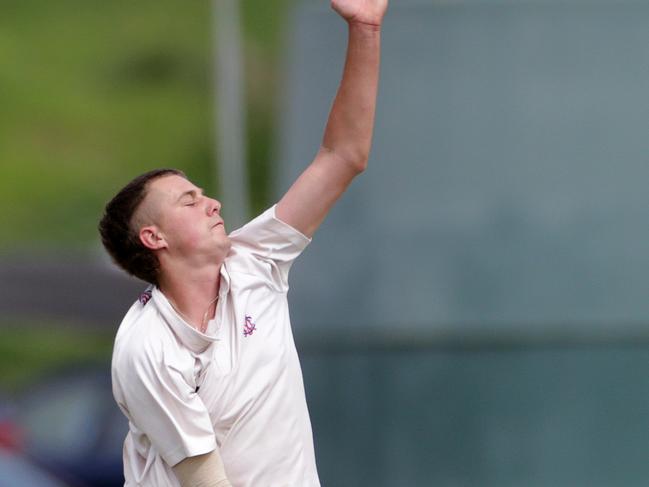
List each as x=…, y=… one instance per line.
x=185, y=223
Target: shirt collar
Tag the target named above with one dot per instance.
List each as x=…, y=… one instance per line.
x=187, y=334
x=224, y=289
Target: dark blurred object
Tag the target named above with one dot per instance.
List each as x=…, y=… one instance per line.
x=11, y=437
x=79, y=288
x=73, y=427
x=16, y=471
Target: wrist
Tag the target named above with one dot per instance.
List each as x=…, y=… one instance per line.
x=364, y=26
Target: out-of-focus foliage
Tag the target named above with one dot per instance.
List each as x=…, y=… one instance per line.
x=94, y=92
x=264, y=27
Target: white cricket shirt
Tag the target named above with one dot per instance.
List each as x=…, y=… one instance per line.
x=238, y=387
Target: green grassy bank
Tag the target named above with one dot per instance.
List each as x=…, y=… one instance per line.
x=94, y=92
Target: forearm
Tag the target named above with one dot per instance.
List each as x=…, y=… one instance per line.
x=202, y=471
x=348, y=133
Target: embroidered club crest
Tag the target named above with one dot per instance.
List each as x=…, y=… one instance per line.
x=248, y=327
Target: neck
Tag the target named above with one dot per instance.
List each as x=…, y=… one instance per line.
x=193, y=294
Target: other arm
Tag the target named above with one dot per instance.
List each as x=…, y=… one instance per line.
x=202, y=471
x=348, y=135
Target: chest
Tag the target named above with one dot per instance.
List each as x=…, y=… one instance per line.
x=253, y=353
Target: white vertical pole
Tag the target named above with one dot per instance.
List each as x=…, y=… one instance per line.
x=230, y=114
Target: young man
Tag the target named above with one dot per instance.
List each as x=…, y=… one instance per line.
x=204, y=364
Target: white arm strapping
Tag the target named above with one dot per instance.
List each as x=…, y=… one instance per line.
x=202, y=471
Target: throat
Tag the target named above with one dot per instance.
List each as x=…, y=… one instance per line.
x=194, y=319
x=195, y=302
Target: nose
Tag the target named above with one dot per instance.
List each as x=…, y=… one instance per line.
x=213, y=207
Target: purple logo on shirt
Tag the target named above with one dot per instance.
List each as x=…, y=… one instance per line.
x=248, y=327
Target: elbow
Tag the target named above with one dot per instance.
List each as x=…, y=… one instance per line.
x=357, y=161
x=354, y=159
x=358, y=157
x=360, y=165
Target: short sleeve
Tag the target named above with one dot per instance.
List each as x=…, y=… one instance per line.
x=164, y=406
x=272, y=243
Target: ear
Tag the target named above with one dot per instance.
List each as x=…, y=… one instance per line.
x=152, y=238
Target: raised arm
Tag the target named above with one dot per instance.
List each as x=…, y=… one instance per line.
x=348, y=136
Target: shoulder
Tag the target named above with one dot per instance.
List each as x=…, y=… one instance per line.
x=267, y=234
x=266, y=247
x=142, y=338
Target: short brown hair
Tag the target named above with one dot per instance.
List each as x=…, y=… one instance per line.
x=119, y=237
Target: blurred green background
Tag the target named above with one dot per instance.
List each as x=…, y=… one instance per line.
x=96, y=92
x=93, y=93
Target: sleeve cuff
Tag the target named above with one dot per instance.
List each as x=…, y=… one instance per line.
x=198, y=447
x=296, y=237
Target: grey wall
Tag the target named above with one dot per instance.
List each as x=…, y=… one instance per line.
x=508, y=173
x=565, y=417
x=474, y=311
